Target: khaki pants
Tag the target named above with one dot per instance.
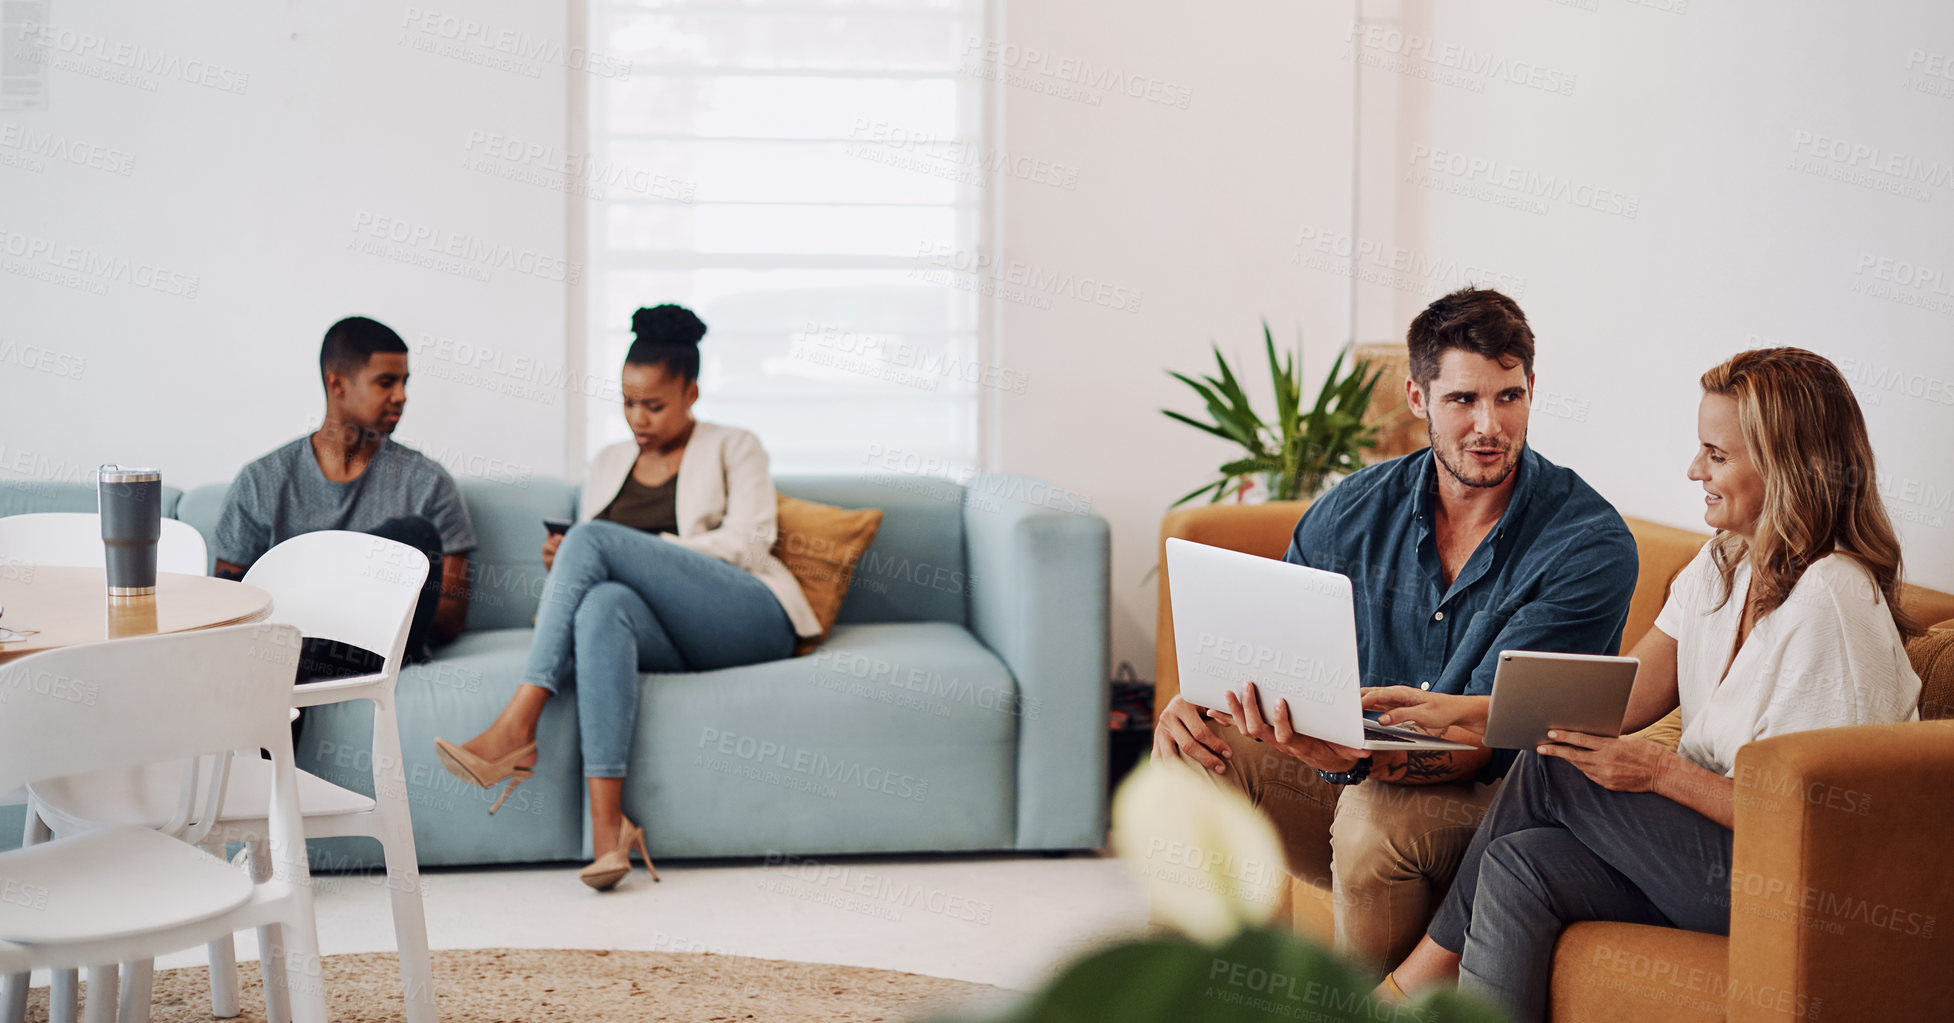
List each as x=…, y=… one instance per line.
x=1386, y=852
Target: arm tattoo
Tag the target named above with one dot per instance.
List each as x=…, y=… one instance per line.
x=1423, y=766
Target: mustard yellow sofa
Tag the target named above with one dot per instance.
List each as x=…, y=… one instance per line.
x=1840, y=876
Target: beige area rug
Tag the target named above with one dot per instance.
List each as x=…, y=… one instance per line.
x=502, y=985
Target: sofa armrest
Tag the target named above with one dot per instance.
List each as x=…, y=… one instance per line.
x=1040, y=591
x=1837, y=879
x=1260, y=529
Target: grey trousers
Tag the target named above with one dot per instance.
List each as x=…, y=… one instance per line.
x=1556, y=848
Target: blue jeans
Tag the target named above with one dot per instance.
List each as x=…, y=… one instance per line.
x=619, y=601
x=1556, y=848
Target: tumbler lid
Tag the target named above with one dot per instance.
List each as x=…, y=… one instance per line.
x=113, y=473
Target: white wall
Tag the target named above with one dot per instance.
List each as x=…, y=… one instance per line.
x=254, y=196
x=1197, y=211
x=1707, y=116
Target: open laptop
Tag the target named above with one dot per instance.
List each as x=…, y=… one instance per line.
x=1289, y=629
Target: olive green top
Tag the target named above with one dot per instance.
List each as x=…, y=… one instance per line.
x=652, y=509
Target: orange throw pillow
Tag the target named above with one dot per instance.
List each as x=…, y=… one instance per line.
x=820, y=544
x=1933, y=660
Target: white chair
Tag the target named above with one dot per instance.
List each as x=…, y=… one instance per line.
x=337, y=585
x=74, y=540
x=123, y=893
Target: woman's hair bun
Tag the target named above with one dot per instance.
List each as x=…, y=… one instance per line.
x=667, y=324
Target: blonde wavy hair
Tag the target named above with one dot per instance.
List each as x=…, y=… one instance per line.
x=1803, y=430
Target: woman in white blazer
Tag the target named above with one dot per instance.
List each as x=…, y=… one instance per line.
x=670, y=570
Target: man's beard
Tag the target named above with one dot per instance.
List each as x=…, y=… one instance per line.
x=1473, y=476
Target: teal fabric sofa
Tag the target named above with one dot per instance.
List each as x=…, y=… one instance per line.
x=960, y=703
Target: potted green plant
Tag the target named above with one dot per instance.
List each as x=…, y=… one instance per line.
x=1300, y=450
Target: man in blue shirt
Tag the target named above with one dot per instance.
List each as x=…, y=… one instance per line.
x=1455, y=553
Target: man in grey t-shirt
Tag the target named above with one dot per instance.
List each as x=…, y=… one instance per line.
x=351, y=474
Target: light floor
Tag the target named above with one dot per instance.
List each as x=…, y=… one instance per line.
x=1006, y=920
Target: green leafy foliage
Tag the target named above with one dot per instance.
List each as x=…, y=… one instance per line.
x=1260, y=974
x=1300, y=448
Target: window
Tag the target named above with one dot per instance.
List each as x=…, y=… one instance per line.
x=810, y=178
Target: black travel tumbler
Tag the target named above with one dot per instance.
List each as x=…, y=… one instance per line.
x=131, y=504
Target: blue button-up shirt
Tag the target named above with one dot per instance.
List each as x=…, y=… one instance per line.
x=1555, y=573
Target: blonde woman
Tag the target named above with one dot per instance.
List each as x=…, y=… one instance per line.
x=1786, y=620
x=671, y=570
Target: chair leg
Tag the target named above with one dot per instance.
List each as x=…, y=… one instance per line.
x=223, y=977
x=99, y=1006
x=13, y=998
x=271, y=946
x=138, y=984
x=307, y=993
x=410, y=934
x=223, y=960
x=63, y=995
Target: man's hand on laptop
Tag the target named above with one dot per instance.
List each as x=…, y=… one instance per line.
x=1181, y=732
x=1437, y=713
x=1245, y=713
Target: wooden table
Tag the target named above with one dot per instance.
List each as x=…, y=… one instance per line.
x=68, y=606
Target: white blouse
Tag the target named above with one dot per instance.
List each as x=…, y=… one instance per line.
x=1828, y=656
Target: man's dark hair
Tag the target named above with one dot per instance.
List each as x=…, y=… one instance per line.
x=352, y=341
x=668, y=336
x=1477, y=320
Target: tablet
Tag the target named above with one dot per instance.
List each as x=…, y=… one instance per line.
x=1534, y=691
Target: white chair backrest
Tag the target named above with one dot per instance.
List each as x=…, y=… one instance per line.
x=345, y=586
x=74, y=540
x=152, y=699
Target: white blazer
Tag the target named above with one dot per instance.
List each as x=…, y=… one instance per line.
x=726, y=507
